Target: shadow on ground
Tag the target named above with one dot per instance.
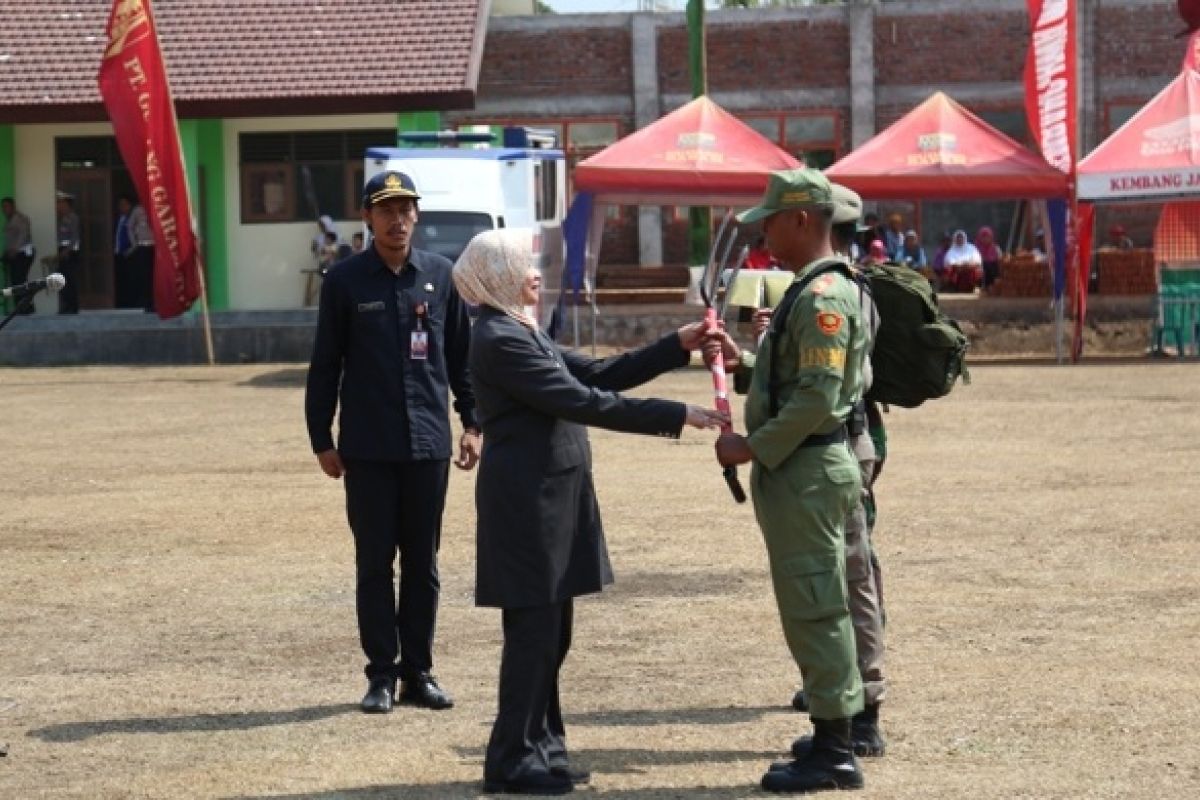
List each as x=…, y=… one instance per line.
x=732, y=715
x=244, y=720
x=289, y=378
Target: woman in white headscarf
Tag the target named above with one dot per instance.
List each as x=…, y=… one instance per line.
x=540, y=542
x=964, y=264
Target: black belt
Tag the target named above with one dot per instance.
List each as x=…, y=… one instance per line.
x=823, y=439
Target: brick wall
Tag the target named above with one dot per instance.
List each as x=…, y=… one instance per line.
x=519, y=63
x=1138, y=42
x=958, y=48
x=745, y=57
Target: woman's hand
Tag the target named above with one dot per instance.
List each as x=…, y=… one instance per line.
x=700, y=417
x=692, y=335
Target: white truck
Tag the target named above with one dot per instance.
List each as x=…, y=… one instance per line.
x=468, y=189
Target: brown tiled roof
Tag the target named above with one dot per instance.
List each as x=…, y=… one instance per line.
x=251, y=57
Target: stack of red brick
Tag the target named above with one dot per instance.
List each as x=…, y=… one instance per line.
x=1126, y=272
x=1022, y=276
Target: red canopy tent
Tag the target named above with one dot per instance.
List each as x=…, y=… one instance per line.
x=1153, y=156
x=699, y=154
x=941, y=151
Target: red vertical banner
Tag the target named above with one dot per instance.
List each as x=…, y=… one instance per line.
x=133, y=83
x=1191, y=59
x=1050, y=81
x=1051, y=105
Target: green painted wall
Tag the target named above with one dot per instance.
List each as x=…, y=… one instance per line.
x=203, y=143
x=8, y=162
x=418, y=121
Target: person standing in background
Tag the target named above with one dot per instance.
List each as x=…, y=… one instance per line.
x=141, y=257
x=123, y=284
x=68, y=252
x=18, y=246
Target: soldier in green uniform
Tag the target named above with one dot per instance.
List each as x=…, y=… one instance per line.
x=803, y=384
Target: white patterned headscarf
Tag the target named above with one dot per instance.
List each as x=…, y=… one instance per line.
x=492, y=270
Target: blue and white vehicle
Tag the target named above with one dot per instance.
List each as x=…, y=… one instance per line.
x=467, y=189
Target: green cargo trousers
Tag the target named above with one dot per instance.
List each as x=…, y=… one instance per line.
x=801, y=507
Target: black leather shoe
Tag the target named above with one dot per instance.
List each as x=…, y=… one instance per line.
x=575, y=776
x=543, y=783
x=422, y=690
x=800, y=700
x=378, y=699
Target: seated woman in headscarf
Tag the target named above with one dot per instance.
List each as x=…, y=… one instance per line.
x=539, y=539
x=964, y=265
x=990, y=253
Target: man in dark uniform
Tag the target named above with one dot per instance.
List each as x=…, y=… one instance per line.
x=392, y=337
x=68, y=252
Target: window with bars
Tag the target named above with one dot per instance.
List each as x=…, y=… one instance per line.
x=297, y=176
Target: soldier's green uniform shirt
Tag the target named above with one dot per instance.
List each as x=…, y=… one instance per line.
x=803, y=494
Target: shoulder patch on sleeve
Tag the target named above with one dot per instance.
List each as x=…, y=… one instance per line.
x=830, y=322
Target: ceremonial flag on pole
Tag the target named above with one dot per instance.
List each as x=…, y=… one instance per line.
x=133, y=83
x=1051, y=90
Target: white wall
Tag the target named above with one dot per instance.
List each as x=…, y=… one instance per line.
x=265, y=259
x=34, y=186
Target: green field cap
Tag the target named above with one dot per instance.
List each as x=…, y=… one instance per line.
x=847, y=205
x=791, y=188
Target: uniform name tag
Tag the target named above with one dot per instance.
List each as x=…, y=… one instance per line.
x=418, y=346
x=377, y=305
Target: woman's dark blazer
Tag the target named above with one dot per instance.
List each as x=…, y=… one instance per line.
x=539, y=538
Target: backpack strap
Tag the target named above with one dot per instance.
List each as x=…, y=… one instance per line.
x=783, y=311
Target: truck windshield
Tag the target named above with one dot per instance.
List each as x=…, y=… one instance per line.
x=447, y=232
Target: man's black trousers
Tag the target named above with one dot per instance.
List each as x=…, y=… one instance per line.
x=396, y=507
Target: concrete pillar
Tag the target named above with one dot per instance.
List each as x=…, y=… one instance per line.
x=646, y=109
x=861, y=24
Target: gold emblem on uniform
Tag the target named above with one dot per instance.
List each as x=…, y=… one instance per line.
x=831, y=357
x=796, y=197
x=392, y=182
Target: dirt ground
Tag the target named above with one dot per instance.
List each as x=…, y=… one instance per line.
x=177, y=616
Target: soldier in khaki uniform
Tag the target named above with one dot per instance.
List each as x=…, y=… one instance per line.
x=866, y=608
x=804, y=383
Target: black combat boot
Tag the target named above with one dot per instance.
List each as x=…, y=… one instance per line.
x=864, y=732
x=864, y=736
x=829, y=763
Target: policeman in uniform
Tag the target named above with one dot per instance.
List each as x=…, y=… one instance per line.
x=68, y=252
x=805, y=382
x=18, y=248
x=392, y=340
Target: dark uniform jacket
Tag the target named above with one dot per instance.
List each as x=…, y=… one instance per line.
x=539, y=538
x=393, y=408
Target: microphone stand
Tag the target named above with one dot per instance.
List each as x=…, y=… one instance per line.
x=22, y=304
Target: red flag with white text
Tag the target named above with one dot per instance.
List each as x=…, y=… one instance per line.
x=133, y=83
x=1051, y=87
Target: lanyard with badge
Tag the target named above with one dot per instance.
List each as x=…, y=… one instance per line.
x=418, y=343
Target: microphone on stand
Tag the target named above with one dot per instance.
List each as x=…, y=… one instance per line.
x=52, y=282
